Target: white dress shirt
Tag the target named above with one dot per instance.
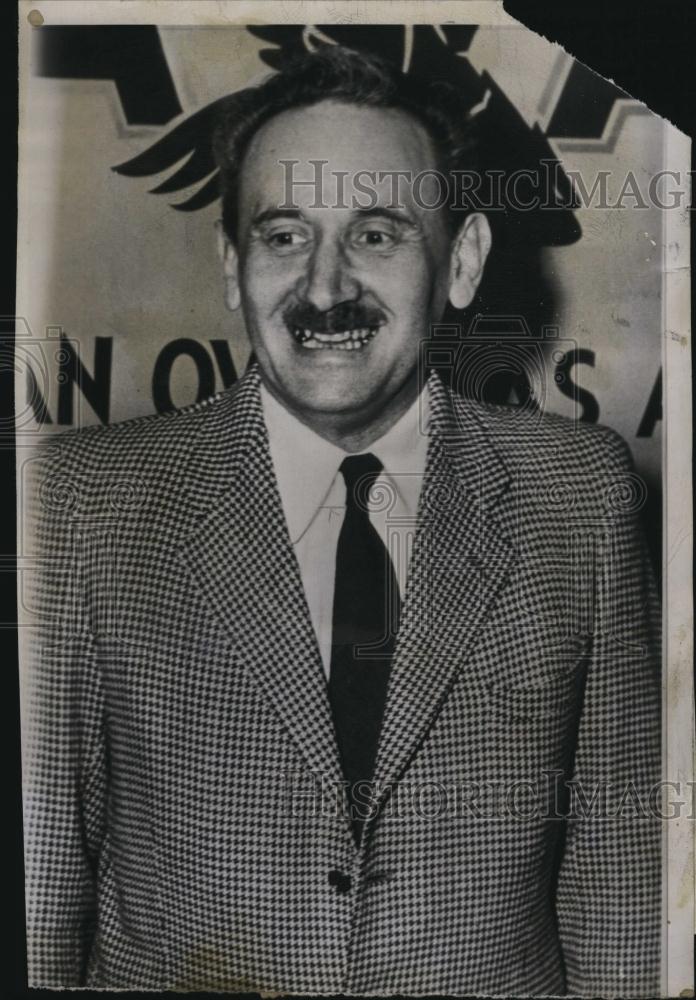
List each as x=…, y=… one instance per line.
x=313, y=495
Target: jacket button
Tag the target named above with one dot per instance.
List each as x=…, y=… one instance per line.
x=340, y=881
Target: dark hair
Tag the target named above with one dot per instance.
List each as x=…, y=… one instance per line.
x=337, y=73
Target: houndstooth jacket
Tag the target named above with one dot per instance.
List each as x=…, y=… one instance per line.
x=184, y=821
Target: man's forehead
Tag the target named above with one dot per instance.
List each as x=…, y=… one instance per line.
x=360, y=146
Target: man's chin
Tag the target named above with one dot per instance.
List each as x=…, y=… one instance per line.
x=313, y=401
x=328, y=404
x=330, y=384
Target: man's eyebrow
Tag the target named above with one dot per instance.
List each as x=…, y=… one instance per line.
x=271, y=214
x=377, y=212
x=382, y=212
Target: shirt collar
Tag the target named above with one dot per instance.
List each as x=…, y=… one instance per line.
x=403, y=449
x=306, y=464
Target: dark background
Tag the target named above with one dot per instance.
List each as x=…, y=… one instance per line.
x=645, y=46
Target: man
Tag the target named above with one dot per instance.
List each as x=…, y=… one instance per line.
x=288, y=735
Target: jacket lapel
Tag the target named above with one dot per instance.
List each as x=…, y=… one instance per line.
x=239, y=555
x=461, y=558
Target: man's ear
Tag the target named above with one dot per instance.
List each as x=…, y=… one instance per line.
x=469, y=252
x=230, y=268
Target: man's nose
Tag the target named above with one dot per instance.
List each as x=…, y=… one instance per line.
x=329, y=278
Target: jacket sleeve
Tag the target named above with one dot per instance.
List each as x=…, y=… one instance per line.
x=64, y=766
x=608, y=892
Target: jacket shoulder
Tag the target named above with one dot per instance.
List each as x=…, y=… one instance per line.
x=523, y=436
x=149, y=442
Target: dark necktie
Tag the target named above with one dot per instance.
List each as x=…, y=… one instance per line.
x=365, y=619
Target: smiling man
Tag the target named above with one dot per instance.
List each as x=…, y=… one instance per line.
x=339, y=696
x=338, y=300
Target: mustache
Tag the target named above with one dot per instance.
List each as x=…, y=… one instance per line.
x=341, y=317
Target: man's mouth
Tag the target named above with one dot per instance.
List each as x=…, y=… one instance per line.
x=343, y=340
x=347, y=326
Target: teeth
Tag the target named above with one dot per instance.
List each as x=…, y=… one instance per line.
x=333, y=338
x=345, y=340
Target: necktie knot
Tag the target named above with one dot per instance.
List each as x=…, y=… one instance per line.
x=359, y=473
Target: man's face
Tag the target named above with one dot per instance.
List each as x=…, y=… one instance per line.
x=338, y=299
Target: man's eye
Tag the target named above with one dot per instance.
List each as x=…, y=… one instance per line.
x=286, y=239
x=377, y=239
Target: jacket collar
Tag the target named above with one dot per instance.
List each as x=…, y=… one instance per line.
x=232, y=430
x=467, y=452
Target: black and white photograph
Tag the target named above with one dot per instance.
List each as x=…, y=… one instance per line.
x=353, y=462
